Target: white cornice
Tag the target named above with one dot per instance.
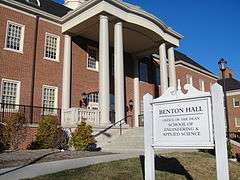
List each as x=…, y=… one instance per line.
x=124, y=7
x=33, y=10
x=233, y=92
x=89, y=4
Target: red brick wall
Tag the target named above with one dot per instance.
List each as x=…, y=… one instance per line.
x=30, y=136
x=17, y=66
x=83, y=79
x=233, y=112
x=182, y=72
x=48, y=72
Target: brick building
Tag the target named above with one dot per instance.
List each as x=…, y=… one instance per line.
x=52, y=56
x=232, y=87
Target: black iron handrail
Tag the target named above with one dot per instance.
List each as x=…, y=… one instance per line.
x=30, y=112
x=120, y=122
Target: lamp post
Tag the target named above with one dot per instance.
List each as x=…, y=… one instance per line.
x=223, y=66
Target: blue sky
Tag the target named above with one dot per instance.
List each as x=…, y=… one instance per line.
x=211, y=28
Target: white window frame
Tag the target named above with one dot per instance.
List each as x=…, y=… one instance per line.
x=234, y=105
x=58, y=47
x=201, y=85
x=22, y=37
x=188, y=76
x=97, y=60
x=17, y=93
x=236, y=124
x=56, y=96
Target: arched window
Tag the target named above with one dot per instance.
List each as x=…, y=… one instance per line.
x=35, y=2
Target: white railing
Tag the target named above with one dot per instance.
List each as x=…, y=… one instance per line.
x=73, y=116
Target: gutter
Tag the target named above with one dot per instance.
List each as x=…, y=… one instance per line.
x=34, y=66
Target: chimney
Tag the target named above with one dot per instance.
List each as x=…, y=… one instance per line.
x=73, y=4
x=228, y=73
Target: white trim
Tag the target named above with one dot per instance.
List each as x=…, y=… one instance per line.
x=56, y=95
x=126, y=10
x=97, y=60
x=50, y=21
x=116, y=8
x=190, y=78
x=236, y=124
x=31, y=15
x=202, y=85
x=22, y=37
x=17, y=93
x=30, y=8
x=233, y=93
x=17, y=10
x=58, y=47
x=198, y=70
x=234, y=101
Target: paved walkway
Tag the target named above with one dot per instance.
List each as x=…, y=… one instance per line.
x=35, y=170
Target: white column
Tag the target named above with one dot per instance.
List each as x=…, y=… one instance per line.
x=104, y=97
x=172, y=69
x=163, y=67
x=119, y=72
x=136, y=93
x=66, y=73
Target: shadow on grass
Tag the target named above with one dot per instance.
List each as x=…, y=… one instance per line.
x=30, y=163
x=171, y=165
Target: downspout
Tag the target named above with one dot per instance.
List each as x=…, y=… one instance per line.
x=34, y=68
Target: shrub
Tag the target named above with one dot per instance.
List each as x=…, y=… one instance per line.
x=13, y=131
x=2, y=138
x=82, y=137
x=49, y=135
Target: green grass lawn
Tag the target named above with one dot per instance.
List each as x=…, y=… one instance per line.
x=172, y=166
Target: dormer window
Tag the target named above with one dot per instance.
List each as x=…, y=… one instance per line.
x=34, y=2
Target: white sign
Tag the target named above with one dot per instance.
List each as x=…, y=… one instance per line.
x=178, y=120
x=183, y=123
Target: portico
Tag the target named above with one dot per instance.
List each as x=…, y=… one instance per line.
x=128, y=29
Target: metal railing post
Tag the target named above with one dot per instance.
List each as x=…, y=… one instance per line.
x=3, y=112
x=120, y=128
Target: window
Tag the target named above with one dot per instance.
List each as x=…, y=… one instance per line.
x=50, y=95
x=189, y=79
x=92, y=60
x=144, y=72
x=236, y=103
x=10, y=93
x=237, y=122
x=51, y=49
x=201, y=85
x=34, y=2
x=157, y=76
x=93, y=97
x=14, y=36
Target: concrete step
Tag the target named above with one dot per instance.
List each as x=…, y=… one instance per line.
x=132, y=140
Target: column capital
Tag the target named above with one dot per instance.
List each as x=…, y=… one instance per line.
x=103, y=17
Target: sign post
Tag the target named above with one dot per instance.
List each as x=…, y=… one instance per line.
x=185, y=121
x=220, y=132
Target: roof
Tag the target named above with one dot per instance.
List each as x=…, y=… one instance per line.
x=49, y=6
x=231, y=84
x=182, y=57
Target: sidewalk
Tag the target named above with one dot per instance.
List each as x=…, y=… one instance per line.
x=57, y=166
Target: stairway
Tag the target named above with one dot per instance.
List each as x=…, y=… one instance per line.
x=132, y=140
